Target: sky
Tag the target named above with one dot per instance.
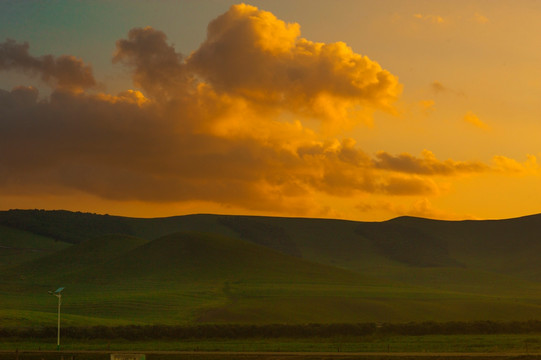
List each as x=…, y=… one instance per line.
x=350, y=109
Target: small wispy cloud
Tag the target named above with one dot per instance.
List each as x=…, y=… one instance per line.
x=427, y=106
x=433, y=19
x=439, y=88
x=474, y=120
x=480, y=19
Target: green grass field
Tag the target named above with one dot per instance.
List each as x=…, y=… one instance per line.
x=255, y=302
x=260, y=270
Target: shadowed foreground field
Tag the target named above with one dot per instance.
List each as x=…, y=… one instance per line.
x=265, y=356
x=516, y=344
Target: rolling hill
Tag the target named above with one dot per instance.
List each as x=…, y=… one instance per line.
x=246, y=269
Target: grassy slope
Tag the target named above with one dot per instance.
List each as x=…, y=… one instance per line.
x=441, y=259
x=203, y=278
x=505, y=246
x=23, y=288
x=469, y=279
x=188, y=255
x=177, y=278
x=480, y=270
x=67, y=263
x=18, y=246
x=157, y=227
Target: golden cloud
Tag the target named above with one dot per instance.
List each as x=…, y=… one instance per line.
x=511, y=166
x=428, y=164
x=250, y=54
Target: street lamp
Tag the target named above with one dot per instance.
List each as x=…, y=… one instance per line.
x=58, y=294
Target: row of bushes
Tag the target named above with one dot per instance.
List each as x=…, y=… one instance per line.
x=234, y=331
x=463, y=327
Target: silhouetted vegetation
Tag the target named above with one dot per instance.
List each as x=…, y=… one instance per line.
x=67, y=226
x=235, y=331
x=462, y=327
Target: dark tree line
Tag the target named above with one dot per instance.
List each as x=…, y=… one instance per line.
x=67, y=226
x=235, y=331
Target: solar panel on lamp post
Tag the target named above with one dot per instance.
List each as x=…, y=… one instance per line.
x=58, y=294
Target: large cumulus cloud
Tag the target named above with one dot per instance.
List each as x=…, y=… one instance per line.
x=224, y=124
x=252, y=54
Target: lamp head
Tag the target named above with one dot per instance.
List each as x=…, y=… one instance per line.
x=56, y=292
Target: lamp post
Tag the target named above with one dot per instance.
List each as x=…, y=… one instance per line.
x=58, y=294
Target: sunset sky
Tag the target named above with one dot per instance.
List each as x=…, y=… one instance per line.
x=362, y=110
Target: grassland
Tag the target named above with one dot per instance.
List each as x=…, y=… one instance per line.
x=19, y=246
x=260, y=270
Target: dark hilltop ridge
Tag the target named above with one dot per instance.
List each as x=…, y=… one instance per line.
x=251, y=269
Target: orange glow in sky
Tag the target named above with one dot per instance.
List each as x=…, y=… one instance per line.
x=368, y=111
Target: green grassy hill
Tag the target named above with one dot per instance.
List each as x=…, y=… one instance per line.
x=246, y=269
x=19, y=246
x=179, y=278
x=71, y=261
x=208, y=257
x=504, y=246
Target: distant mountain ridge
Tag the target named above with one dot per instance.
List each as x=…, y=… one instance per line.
x=413, y=241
